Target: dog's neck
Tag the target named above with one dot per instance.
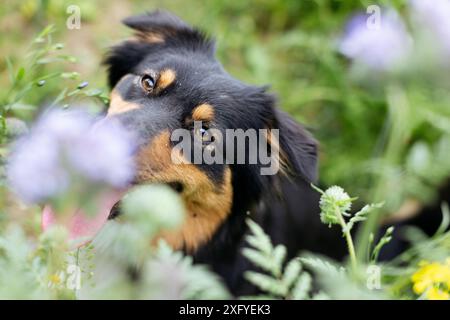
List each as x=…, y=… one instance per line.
x=246, y=204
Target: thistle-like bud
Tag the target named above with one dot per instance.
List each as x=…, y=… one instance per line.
x=334, y=198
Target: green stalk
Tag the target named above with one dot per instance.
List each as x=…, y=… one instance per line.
x=348, y=239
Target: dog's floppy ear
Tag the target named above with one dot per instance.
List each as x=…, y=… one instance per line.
x=164, y=28
x=156, y=26
x=155, y=31
x=297, y=148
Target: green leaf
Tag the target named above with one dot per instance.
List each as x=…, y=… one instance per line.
x=361, y=216
x=320, y=296
x=67, y=57
x=387, y=237
x=10, y=69
x=58, y=46
x=20, y=74
x=3, y=127
x=445, y=223
x=94, y=92
x=291, y=272
x=259, y=259
x=322, y=266
x=45, y=32
x=271, y=260
x=266, y=283
x=59, y=98
x=260, y=240
x=195, y=281
x=317, y=189
x=73, y=92
x=302, y=287
x=258, y=297
x=70, y=75
x=279, y=254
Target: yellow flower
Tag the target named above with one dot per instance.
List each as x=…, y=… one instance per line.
x=437, y=294
x=433, y=279
x=55, y=278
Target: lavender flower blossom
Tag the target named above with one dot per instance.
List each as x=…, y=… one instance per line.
x=64, y=145
x=434, y=16
x=378, y=48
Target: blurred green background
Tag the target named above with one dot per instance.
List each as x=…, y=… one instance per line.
x=290, y=45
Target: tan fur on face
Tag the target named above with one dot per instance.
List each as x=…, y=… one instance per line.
x=207, y=204
x=118, y=105
x=204, y=112
x=166, y=78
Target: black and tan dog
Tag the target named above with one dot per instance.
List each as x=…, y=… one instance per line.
x=165, y=78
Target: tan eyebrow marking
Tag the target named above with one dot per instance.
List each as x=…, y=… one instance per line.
x=203, y=112
x=118, y=105
x=166, y=78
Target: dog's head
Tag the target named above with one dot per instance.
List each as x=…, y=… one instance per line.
x=166, y=78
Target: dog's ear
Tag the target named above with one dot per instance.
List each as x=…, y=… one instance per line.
x=297, y=148
x=157, y=26
x=159, y=22
x=164, y=28
x=123, y=58
x=293, y=148
x=155, y=31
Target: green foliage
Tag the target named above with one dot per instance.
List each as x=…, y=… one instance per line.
x=385, y=239
x=323, y=266
x=32, y=75
x=139, y=204
x=197, y=283
x=361, y=215
x=398, y=272
x=287, y=281
x=335, y=205
x=105, y=268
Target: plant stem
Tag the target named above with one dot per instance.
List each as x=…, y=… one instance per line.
x=348, y=238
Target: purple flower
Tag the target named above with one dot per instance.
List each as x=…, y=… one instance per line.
x=434, y=16
x=379, y=47
x=104, y=154
x=64, y=146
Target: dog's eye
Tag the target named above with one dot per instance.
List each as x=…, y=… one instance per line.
x=148, y=83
